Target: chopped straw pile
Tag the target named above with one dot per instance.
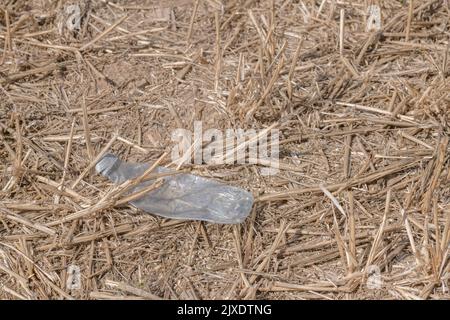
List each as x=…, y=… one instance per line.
x=360, y=207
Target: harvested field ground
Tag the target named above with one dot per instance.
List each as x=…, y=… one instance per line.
x=360, y=207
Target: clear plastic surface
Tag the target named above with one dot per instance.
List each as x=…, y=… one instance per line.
x=181, y=196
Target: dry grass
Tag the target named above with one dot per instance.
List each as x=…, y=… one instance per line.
x=364, y=122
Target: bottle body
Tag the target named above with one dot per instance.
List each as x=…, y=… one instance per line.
x=181, y=196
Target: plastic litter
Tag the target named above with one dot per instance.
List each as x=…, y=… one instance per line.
x=181, y=196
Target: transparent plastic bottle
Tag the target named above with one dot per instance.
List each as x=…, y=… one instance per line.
x=181, y=196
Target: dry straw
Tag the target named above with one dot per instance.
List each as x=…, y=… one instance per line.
x=364, y=148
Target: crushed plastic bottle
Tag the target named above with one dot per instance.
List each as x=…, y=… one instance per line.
x=181, y=196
